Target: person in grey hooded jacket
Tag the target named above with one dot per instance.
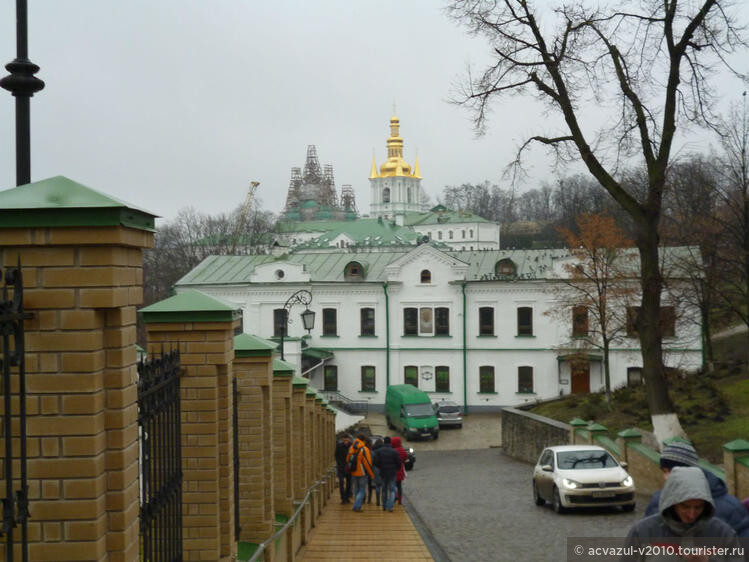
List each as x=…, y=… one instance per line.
x=685, y=516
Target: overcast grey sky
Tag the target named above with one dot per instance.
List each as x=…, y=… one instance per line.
x=174, y=103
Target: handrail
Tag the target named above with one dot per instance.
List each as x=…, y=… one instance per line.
x=262, y=546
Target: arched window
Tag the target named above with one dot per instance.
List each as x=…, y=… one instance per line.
x=470, y=233
x=439, y=234
x=450, y=235
x=386, y=195
x=505, y=267
x=353, y=271
x=426, y=276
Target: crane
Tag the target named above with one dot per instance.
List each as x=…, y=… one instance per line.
x=244, y=213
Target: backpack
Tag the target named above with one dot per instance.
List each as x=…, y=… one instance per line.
x=353, y=461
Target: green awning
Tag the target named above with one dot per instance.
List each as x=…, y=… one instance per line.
x=317, y=353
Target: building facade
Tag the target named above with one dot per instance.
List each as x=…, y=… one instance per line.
x=475, y=327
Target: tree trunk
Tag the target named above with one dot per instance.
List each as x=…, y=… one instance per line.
x=607, y=371
x=662, y=413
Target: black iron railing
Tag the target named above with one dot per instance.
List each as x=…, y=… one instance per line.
x=161, y=459
x=235, y=421
x=354, y=407
x=15, y=503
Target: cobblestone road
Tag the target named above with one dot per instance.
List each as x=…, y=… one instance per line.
x=477, y=505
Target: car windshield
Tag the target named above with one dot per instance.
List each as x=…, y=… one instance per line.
x=448, y=409
x=567, y=460
x=419, y=410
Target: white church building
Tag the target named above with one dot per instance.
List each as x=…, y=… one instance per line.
x=426, y=297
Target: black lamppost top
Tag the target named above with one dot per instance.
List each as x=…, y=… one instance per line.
x=22, y=84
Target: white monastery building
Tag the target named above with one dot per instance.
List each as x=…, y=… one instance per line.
x=429, y=298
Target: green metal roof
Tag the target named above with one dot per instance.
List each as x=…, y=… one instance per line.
x=442, y=215
x=329, y=266
x=299, y=381
x=59, y=201
x=317, y=353
x=246, y=345
x=282, y=368
x=190, y=306
x=362, y=233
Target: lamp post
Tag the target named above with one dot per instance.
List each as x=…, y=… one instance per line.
x=22, y=83
x=304, y=297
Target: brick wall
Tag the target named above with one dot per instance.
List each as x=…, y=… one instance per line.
x=524, y=435
x=82, y=286
x=206, y=356
x=283, y=447
x=254, y=377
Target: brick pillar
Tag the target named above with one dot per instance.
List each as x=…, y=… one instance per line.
x=299, y=435
x=253, y=368
x=83, y=278
x=732, y=451
x=283, y=447
x=203, y=330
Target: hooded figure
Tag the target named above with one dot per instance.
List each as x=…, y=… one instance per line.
x=685, y=512
x=727, y=507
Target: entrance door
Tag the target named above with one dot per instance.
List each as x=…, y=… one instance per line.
x=580, y=378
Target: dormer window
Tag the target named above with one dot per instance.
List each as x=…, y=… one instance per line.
x=353, y=271
x=426, y=276
x=505, y=267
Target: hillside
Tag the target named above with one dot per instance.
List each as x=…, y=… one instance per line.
x=713, y=408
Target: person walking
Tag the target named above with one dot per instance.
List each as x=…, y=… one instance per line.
x=344, y=478
x=685, y=515
x=389, y=462
x=376, y=484
x=401, y=476
x=727, y=507
x=363, y=469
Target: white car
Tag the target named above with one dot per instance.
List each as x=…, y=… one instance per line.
x=571, y=476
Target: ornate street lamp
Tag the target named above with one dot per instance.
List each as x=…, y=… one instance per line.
x=304, y=297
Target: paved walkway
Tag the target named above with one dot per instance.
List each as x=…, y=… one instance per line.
x=371, y=535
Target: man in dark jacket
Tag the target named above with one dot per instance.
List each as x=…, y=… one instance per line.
x=727, y=507
x=344, y=479
x=684, y=521
x=389, y=462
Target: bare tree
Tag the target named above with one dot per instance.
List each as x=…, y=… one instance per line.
x=650, y=60
x=596, y=287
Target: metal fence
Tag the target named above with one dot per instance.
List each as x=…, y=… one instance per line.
x=15, y=503
x=161, y=459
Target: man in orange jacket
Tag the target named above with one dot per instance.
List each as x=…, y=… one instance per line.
x=363, y=469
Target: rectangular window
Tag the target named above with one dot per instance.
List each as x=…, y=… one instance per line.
x=329, y=322
x=525, y=321
x=633, y=316
x=667, y=318
x=442, y=379
x=410, y=322
x=367, y=321
x=331, y=378
x=411, y=375
x=486, y=378
x=425, y=321
x=279, y=322
x=525, y=379
x=668, y=321
x=486, y=321
x=579, y=322
x=442, y=321
x=368, y=378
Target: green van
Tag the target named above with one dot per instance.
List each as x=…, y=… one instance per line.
x=409, y=410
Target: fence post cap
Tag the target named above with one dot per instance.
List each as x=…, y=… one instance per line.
x=577, y=422
x=737, y=445
x=629, y=434
x=597, y=427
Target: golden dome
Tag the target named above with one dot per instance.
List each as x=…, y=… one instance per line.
x=395, y=165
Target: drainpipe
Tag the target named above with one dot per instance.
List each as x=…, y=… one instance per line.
x=465, y=351
x=387, y=335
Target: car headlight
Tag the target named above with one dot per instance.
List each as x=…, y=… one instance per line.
x=410, y=451
x=627, y=482
x=567, y=483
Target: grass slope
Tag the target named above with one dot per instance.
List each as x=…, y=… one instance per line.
x=713, y=409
